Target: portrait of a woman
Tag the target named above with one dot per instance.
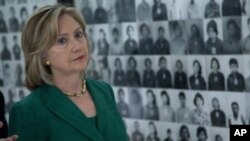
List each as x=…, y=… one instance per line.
x=63, y=105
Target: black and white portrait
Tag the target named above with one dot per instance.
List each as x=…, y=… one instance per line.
x=130, y=43
x=146, y=40
x=232, y=36
x=213, y=37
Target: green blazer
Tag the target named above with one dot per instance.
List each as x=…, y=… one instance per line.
x=48, y=115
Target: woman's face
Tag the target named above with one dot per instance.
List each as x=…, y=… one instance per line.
x=196, y=67
x=216, y=103
x=164, y=99
x=150, y=97
x=151, y=128
x=118, y=64
x=215, y=65
x=130, y=31
x=178, y=65
x=231, y=29
x=202, y=136
x=199, y=102
x=132, y=64
x=70, y=54
x=211, y=33
x=145, y=31
x=194, y=30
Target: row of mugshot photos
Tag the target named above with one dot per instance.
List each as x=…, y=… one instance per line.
x=212, y=36
x=102, y=11
x=216, y=109
x=217, y=73
x=20, y=2
x=141, y=130
x=14, y=17
x=229, y=35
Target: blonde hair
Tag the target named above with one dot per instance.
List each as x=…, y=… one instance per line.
x=38, y=35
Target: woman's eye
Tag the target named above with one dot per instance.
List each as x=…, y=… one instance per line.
x=62, y=41
x=79, y=34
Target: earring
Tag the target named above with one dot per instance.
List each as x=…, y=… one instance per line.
x=47, y=63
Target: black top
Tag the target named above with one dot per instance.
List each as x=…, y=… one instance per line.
x=235, y=82
x=4, y=129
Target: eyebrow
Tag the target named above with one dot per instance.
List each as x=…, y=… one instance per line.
x=66, y=34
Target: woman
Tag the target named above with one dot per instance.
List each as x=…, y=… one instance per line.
x=102, y=43
x=105, y=71
x=146, y=42
x=130, y=45
x=63, y=105
x=199, y=116
x=119, y=73
x=135, y=105
x=122, y=105
x=151, y=110
x=195, y=42
x=201, y=134
x=159, y=11
x=184, y=133
x=149, y=77
x=193, y=10
x=166, y=111
x=152, y=136
x=213, y=44
x=216, y=80
x=132, y=75
x=197, y=82
x=180, y=77
x=232, y=42
x=178, y=44
x=218, y=117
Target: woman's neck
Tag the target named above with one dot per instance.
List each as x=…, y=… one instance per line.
x=70, y=83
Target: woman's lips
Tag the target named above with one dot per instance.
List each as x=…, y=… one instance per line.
x=78, y=58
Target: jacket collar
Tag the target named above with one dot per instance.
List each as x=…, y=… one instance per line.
x=65, y=109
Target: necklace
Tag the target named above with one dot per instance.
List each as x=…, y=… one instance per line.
x=81, y=93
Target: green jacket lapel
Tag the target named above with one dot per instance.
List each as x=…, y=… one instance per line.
x=65, y=109
x=97, y=96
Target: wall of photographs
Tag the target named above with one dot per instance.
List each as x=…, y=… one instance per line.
x=179, y=68
x=13, y=15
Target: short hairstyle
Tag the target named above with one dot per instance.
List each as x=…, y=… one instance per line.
x=115, y=30
x=39, y=34
x=179, y=61
x=215, y=98
x=131, y=58
x=162, y=59
x=161, y=29
x=147, y=60
x=181, y=130
x=237, y=34
x=117, y=60
x=198, y=95
x=166, y=94
x=129, y=26
x=212, y=24
x=182, y=94
x=23, y=10
x=201, y=129
x=152, y=123
x=216, y=60
x=121, y=92
x=144, y=25
x=233, y=61
x=235, y=103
